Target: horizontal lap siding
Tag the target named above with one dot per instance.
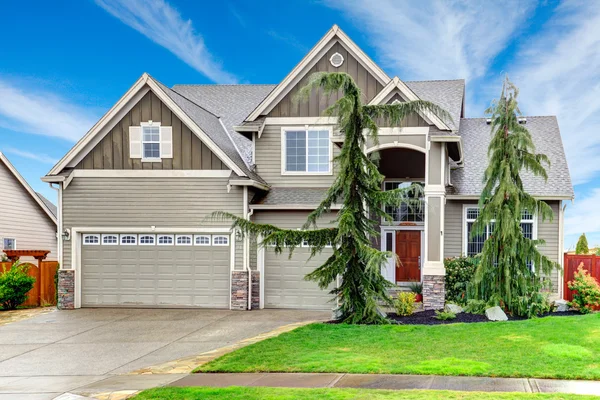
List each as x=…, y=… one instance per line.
x=143, y=202
x=23, y=219
x=453, y=231
x=548, y=230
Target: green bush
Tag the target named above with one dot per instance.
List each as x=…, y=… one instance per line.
x=405, y=303
x=459, y=272
x=586, y=293
x=476, y=306
x=416, y=287
x=532, y=304
x=582, y=245
x=444, y=315
x=14, y=285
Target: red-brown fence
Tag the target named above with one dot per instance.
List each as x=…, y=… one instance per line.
x=44, y=290
x=572, y=261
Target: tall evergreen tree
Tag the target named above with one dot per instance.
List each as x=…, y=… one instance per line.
x=582, y=245
x=511, y=268
x=357, y=187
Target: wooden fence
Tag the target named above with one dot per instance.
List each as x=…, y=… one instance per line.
x=572, y=261
x=44, y=290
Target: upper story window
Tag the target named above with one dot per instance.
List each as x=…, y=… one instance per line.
x=151, y=141
x=9, y=244
x=407, y=212
x=306, y=151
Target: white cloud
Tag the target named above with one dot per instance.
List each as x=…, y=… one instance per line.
x=42, y=158
x=583, y=216
x=163, y=24
x=42, y=113
x=437, y=39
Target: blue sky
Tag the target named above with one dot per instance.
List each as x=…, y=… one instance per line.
x=63, y=64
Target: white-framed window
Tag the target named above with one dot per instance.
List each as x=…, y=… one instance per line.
x=151, y=141
x=202, y=240
x=183, y=240
x=110, y=239
x=165, y=240
x=474, y=245
x=128, y=239
x=306, y=151
x=220, y=240
x=147, y=240
x=90, y=239
x=9, y=244
x=406, y=212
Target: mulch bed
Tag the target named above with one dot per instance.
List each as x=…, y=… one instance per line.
x=428, y=318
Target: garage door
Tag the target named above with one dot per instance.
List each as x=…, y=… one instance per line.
x=155, y=270
x=284, y=282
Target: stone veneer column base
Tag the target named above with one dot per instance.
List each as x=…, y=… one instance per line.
x=434, y=292
x=66, y=289
x=239, y=290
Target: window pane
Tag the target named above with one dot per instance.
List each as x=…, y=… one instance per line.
x=151, y=133
x=389, y=240
x=407, y=212
x=472, y=213
x=475, y=244
x=527, y=228
x=151, y=150
x=295, y=148
x=318, y=151
x=526, y=215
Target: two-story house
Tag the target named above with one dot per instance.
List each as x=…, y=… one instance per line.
x=135, y=191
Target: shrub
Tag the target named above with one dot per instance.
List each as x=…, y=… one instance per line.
x=582, y=245
x=405, y=303
x=476, y=306
x=459, y=272
x=444, y=315
x=14, y=285
x=586, y=290
x=416, y=287
x=532, y=304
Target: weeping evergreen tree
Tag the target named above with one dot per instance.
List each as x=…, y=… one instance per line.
x=357, y=188
x=511, y=268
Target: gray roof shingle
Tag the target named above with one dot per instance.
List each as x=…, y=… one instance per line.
x=476, y=136
x=48, y=204
x=447, y=94
x=291, y=197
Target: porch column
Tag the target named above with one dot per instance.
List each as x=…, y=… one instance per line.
x=435, y=200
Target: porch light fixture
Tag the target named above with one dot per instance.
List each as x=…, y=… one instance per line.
x=66, y=234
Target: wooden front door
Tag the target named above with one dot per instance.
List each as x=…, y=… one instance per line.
x=408, y=249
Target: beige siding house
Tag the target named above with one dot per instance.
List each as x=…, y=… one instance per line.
x=28, y=219
x=137, y=191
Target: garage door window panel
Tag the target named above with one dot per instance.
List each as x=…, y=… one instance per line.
x=220, y=240
x=147, y=240
x=202, y=240
x=128, y=240
x=165, y=240
x=92, y=240
x=110, y=240
x=184, y=240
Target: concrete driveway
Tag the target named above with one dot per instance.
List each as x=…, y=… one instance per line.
x=58, y=352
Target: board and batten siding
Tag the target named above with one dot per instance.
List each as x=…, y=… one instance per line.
x=316, y=103
x=454, y=234
x=23, y=219
x=188, y=150
x=146, y=202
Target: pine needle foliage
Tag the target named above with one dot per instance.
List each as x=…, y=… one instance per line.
x=357, y=188
x=582, y=245
x=505, y=274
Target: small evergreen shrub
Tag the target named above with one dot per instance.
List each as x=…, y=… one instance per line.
x=582, y=245
x=444, y=315
x=475, y=306
x=532, y=304
x=586, y=289
x=405, y=303
x=416, y=287
x=459, y=272
x=14, y=285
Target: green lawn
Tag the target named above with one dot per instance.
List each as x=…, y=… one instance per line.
x=256, y=393
x=552, y=347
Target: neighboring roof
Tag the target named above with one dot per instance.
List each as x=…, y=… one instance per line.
x=48, y=204
x=290, y=197
x=447, y=94
x=476, y=136
x=38, y=198
x=231, y=103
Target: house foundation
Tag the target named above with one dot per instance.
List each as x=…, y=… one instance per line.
x=239, y=290
x=66, y=289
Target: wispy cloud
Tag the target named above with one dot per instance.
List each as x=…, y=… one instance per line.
x=288, y=39
x=161, y=23
x=437, y=39
x=42, y=158
x=42, y=113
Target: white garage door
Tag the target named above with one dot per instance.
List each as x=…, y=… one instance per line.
x=284, y=282
x=155, y=270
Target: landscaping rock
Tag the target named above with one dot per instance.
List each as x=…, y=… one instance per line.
x=561, y=305
x=453, y=308
x=495, y=314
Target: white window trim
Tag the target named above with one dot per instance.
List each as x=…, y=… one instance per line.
x=465, y=238
x=203, y=236
x=151, y=159
x=285, y=129
x=110, y=235
x=147, y=235
x=214, y=239
x=84, y=240
x=177, y=237
x=122, y=236
x=165, y=244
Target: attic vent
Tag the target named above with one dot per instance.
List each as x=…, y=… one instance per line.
x=522, y=120
x=336, y=60
x=488, y=121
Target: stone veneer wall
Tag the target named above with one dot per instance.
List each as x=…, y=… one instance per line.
x=66, y=289
x=239, y=290
x=434, y=292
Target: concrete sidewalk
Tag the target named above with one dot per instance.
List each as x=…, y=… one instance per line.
x=393, y=382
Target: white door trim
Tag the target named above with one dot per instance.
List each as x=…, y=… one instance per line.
x=394, y=228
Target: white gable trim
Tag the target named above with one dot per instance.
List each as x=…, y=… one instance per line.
x=28, y=188
x=120, y=109
x=407, y=93
x=309, y=60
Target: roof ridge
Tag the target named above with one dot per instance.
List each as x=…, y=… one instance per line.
x=225, y=84
x=194, y=103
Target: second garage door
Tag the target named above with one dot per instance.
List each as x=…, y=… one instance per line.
x=173, y=270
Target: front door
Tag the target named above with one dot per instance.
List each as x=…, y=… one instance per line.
x=408, y=249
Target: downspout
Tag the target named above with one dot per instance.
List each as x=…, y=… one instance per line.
x=250, y=213
x=59, y=225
